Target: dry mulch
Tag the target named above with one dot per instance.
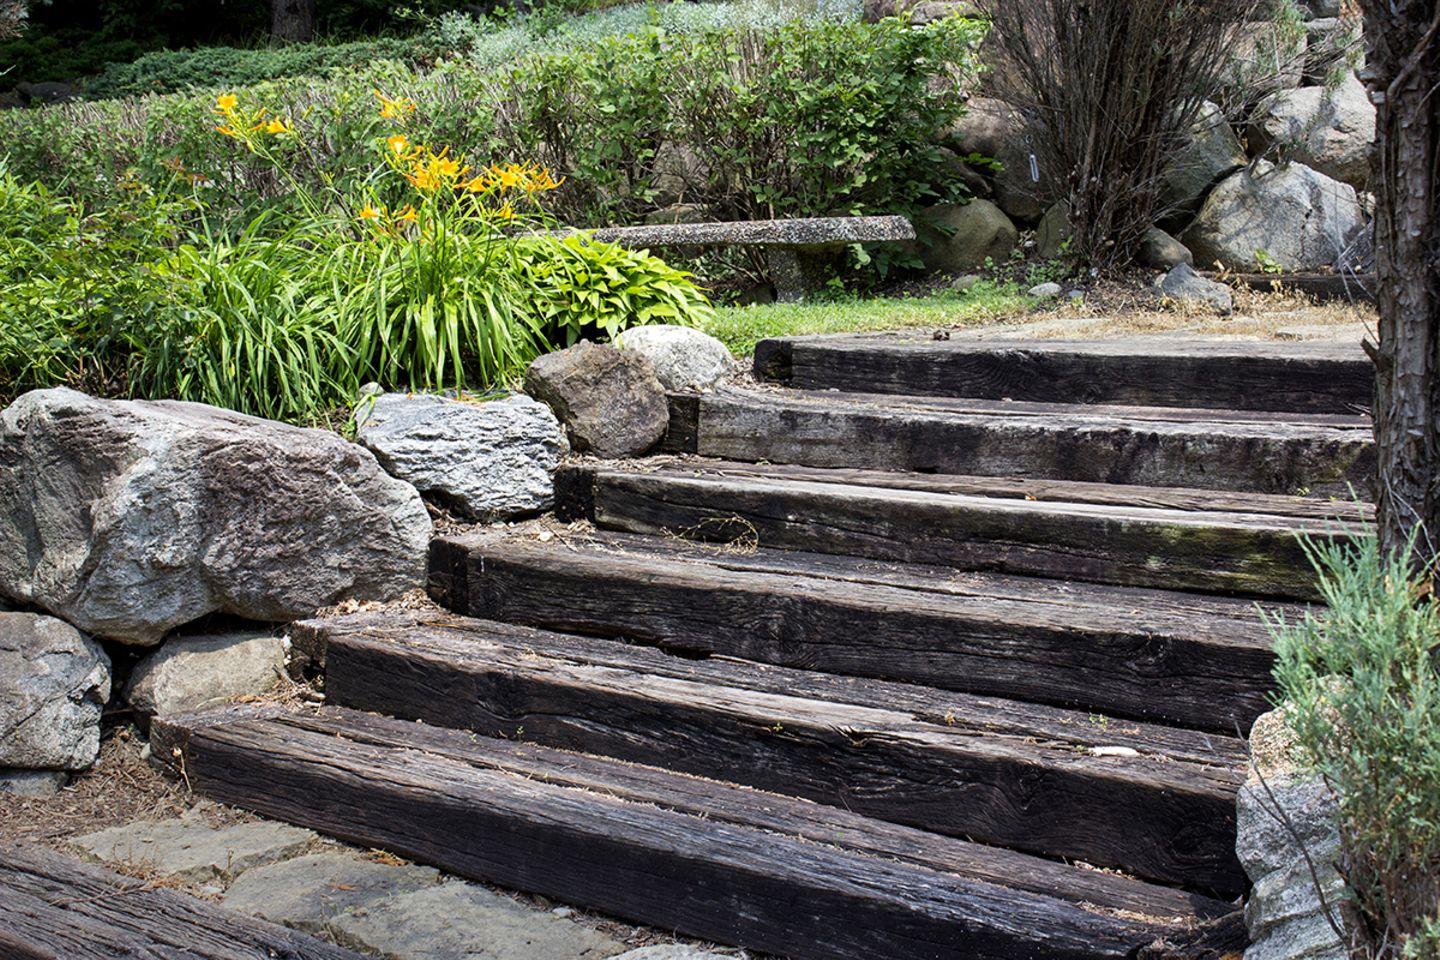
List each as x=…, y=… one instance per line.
x=121, y=788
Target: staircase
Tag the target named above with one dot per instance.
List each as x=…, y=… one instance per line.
x=921, y=650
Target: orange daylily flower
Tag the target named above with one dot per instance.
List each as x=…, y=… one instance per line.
x=394, y=109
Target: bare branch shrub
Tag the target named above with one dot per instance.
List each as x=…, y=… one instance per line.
x=1114, y=86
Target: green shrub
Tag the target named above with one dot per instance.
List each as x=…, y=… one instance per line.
x=251, y=331
x=1363, y=683
x=78, y=288
x=586, y=288
x=168, y=71
x=805, y=119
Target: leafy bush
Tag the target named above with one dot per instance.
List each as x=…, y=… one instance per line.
x=592, y=289
x=168, y=71
x=807, y=119
x=78, y=288
x=1363, y=683
x=251, y=331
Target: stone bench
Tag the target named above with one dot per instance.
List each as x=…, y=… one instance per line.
x=797, y=250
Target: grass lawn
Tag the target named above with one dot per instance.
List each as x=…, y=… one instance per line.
x=740, y=328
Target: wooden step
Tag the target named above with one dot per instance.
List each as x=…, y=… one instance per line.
x=1325, y=455
x=1202, y=662
x=700, y=857
x=1214, y=551
x=1162, y=372
x=54, y=907
x=1345, y=510
x=1153, y=801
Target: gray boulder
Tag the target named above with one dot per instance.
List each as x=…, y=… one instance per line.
x=1301, y=219
x=1285, y=824
x=610, y=401
x=54, y=683
x=995, y=129
x=489, y=460
x=190, y=673
x=684, y=358
x=1160, y=250
x=1054, y=231
x=1330, y=131
x=959, y=238
x=129, y=519
x=1183, y=283
x=32, y=783
x=47, y=92
x=1211, y=153
x=1046, y=291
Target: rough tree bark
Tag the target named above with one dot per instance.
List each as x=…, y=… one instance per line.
x=1403, y=75
x=292, y=20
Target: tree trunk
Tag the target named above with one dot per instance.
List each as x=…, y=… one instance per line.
x=292, y=20
x=1402, y=73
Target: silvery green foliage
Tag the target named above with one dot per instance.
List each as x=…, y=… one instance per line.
x=491, y=45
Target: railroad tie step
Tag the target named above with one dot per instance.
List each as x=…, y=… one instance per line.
x=701, y=857
x=1273, y=453
x=1228, y=551
x=1161, y=656
x=1156, y=802
x=53, y=907
x=1169, y=372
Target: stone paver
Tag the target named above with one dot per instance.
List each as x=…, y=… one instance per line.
x=458, y=921
x=672, y=951
x=309, y=892
x=194, y=851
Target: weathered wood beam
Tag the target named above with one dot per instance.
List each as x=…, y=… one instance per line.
x=1004, y=774
x=1246, y=554
x=54, y=907
x=1197, y=661
x=1328, y=455
x=1233, y=375
x=635, y=851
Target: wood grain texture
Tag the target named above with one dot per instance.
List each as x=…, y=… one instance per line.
x=1345, y=510
x=640, y=845
x=1093, y=445
x=1235, y=375
x=54, y=907
x=1141, y=654
x=1244, y=554
x=963, y=772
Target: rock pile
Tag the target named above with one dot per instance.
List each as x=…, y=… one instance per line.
x=1303, y=154
x=131, y=518
x=197, y=532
